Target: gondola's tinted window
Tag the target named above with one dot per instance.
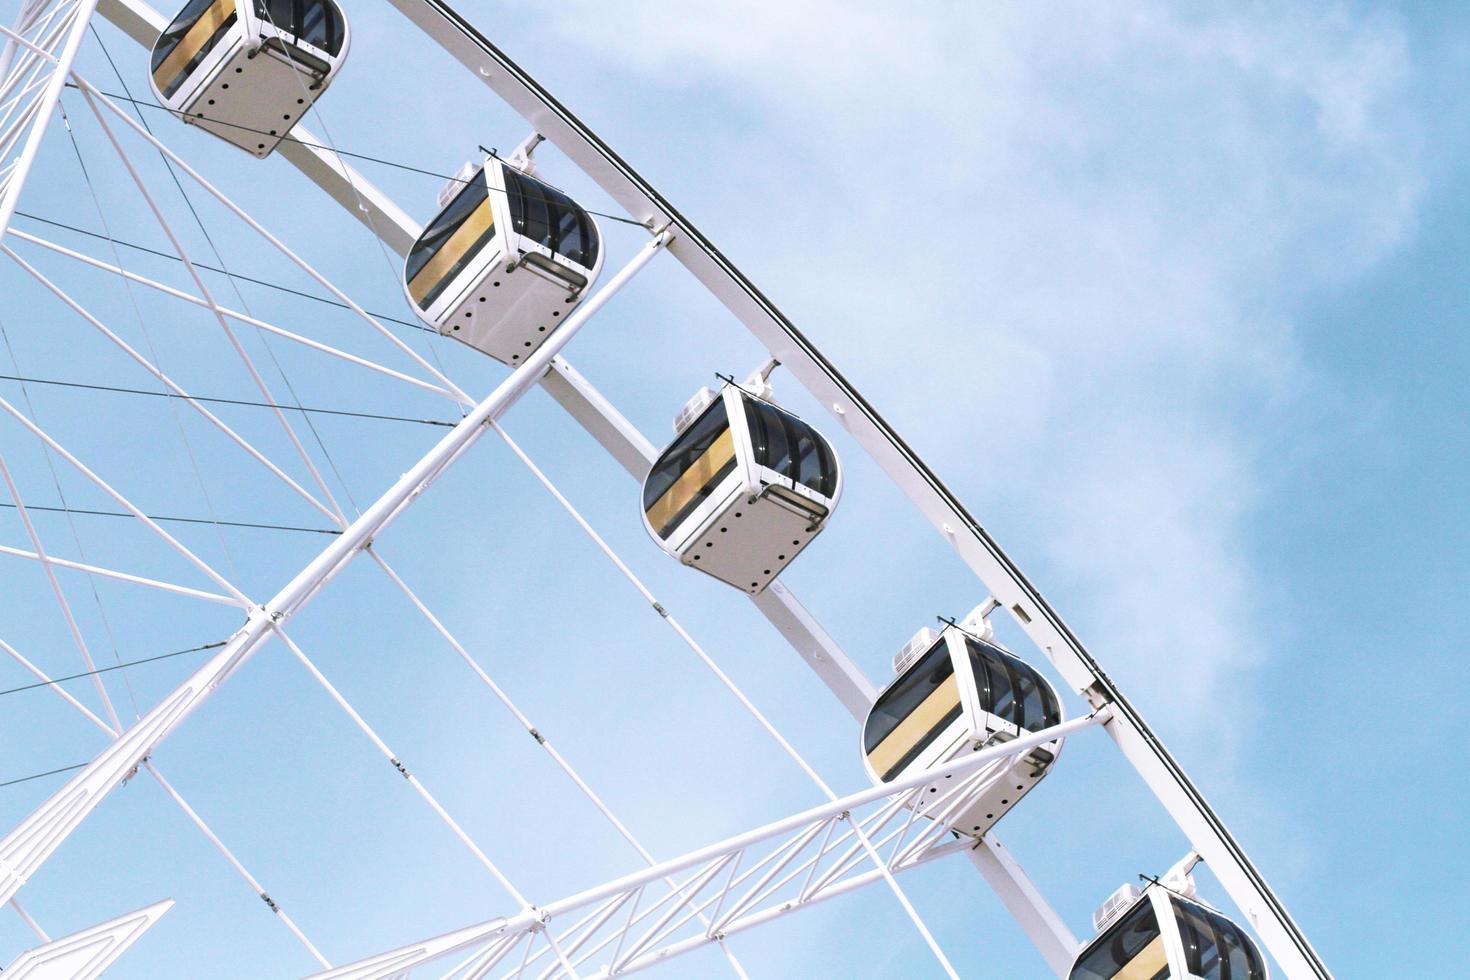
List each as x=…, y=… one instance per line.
x=317, y=22
x=1010, y=689
x=915, y=710
x=1134, y=948
x=689, y=470
x=1214, y=947
x=180, y=49
x=425, y=283
x=175, y=32
x=784, y=443
x=550, y=218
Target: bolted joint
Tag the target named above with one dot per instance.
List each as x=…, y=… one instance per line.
x=1096, y=695
x=540, y=739
x=658, y=607
x=270, y=902
x=402, y=769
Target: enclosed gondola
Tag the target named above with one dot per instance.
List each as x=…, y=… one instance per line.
x=955, y=692
x=247, y=70
x=506, y=258
x=1160, y=932
x=744, y=487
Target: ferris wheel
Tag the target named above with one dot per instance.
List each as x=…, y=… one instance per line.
x=510, y=263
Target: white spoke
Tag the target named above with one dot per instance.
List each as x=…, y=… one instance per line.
x=151, y=583
x=260, y=229
x=336, y=511
x=127, y=504
x=241, y=317
x=179, y=801
x=71, y=620
x=169, y=383
x=402, y=769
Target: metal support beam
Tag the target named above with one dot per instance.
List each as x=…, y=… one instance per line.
x=1140, y=746
x=1026, y=903
x=85, y=955
x=26, y=848
x=774, y=849
x=619, y=437
x=33, y=121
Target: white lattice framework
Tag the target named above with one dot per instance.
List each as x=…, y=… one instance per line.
x=648, y=916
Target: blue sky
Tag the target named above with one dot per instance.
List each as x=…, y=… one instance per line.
x=1172, y=299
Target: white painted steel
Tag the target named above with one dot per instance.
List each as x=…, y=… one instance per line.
x=25, y=848
x=398, y=765
x=172, y=386
x=1026, y=903
x=261, y=230
x=31, y=923
x=151, y=583
x=37, y=115
x=789, y=836
x=56, y=590
x=111, y=732
x=377, y=212
x=1140, y=745
x=336, y=513
x=535, y=732
x=123, y=501
x=240, y=317
x=734, y=690
x=84, y=955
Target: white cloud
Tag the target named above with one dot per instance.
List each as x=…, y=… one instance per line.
x=1142, y=195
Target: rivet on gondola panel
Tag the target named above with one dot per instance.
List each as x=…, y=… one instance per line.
x=1164, y=930
x=955, y=692
x=744, y=487
x=248, y=70
x=505, y=260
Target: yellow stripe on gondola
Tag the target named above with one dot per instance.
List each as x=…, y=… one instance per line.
x=481, y=220
x=916, y=727
x=196, y=37
x=1147, y=964
x=692, y=480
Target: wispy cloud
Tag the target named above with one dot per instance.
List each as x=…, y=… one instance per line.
x=1112, y=214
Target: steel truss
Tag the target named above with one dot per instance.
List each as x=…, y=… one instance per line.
x=37, y=60
x=742, y=882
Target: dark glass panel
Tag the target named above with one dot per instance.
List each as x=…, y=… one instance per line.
x=1133, y=948
x=317, y=22
x=782, y=442
x=550, y=218
x=175, y=32
x=1009, y=688
x=900, y=700
x=441, y=229
x=682, y=455
x=1214, y=947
